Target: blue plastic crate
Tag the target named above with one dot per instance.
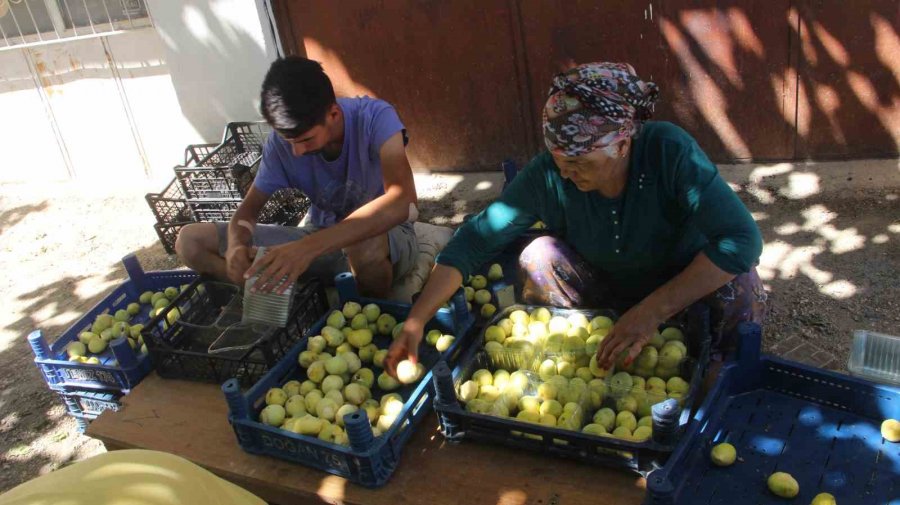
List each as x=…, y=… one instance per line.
x=670, y=420
x=120, y=367
x=821, y=427
x=92, y=403
x=82, y=421
x=368, y=461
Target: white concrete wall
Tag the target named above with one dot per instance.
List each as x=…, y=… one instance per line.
x=78, y=80
x=28, y=147
x=123, y=107
x=218, y=52
x=101, y=108
x=146, y=82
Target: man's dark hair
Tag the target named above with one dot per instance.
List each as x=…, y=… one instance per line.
x=296, y=94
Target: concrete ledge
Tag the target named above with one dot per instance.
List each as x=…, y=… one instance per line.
x=795, y=180
x=798, y=180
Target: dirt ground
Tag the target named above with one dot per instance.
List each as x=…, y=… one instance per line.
x=830, y=262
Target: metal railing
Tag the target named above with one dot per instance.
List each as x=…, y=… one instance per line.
x=25, y=23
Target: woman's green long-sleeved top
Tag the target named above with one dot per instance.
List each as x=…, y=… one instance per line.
x=674, y=206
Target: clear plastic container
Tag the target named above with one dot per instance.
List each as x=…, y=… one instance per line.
x=876, y=357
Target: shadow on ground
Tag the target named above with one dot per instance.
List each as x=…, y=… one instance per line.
x=830, y=262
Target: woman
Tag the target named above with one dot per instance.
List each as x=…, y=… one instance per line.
x=644, y=219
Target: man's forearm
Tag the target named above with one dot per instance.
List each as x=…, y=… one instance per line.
x=240, y=228
x=700, y=278
x=372, y=219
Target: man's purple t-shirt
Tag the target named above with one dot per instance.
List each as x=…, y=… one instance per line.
x=336, y=188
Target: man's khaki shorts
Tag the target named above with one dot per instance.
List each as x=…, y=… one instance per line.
x=402, y=240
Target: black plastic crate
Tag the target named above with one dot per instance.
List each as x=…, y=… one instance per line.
x=241, y=141
x=285, y=207
x=169, y=206
x=208, y=308
x=214, y=210
x=196, y=152
x=202, y=183
x=168, y=233
x=227, y=170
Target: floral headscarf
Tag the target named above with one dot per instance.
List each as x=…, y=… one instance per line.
x=595, y=105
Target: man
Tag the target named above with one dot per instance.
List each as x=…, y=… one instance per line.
x=348, y=156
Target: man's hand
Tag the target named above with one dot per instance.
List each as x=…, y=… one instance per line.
x=405, y=346
x=281, y=266
x=630, y=333
x=237, y=261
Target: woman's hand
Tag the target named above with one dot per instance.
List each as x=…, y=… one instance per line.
x=405, y=346
x=630, y=333
x=636, y=327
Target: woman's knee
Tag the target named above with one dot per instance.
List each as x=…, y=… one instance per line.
x=544, y=249
x=743, y=298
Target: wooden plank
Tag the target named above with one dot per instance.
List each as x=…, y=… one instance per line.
x=189, y=420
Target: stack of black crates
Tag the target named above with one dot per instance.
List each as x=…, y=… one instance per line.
x=214, y=178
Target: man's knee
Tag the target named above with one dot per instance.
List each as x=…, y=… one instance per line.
x=370, y=252
x=197, y=239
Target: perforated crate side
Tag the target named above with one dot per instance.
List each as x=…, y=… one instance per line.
x=670, y=421
x=369, y=461
x=286, y=207
x=214, y=210
x=196, y=152
x=242, y=141
x=232, y=182
x=180, y=351
x=120, y=368
x=91, y=403
x=169, y=206
x=819, y=426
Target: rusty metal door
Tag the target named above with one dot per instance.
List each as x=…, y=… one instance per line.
x=848, y=101
x=752, y=81
x=450, y=69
